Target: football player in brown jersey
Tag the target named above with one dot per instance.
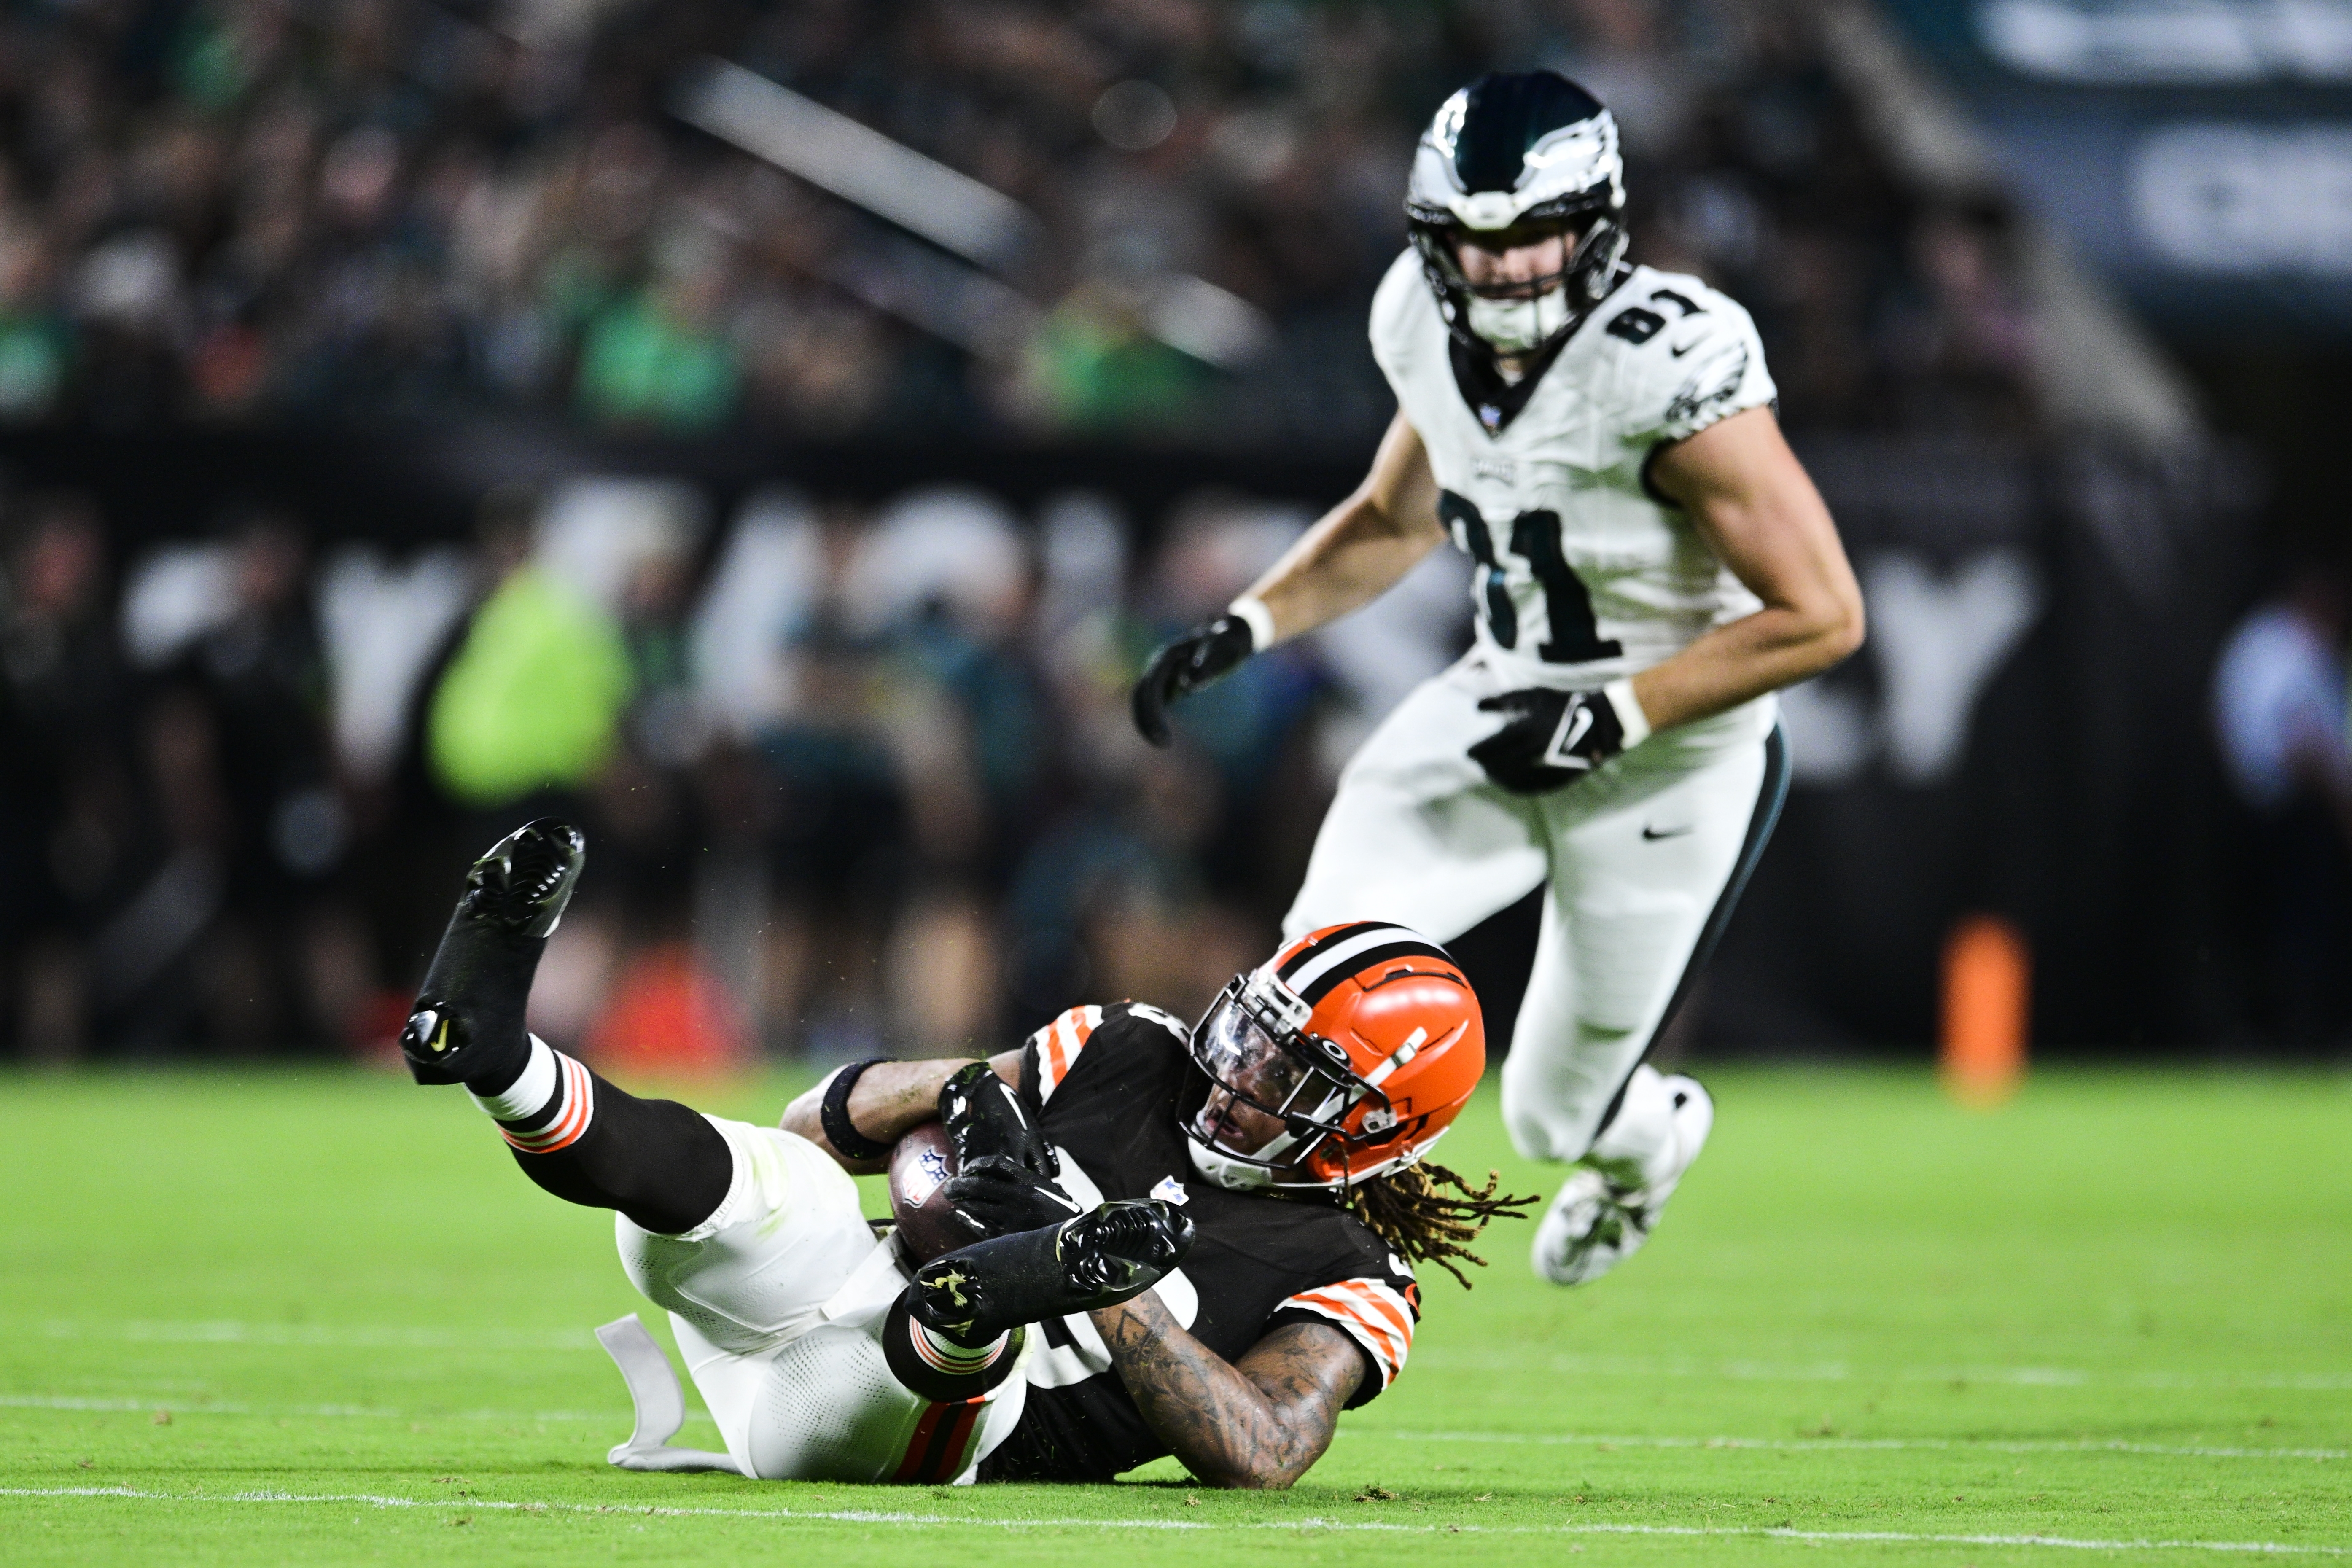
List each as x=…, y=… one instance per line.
x=1212, y=1230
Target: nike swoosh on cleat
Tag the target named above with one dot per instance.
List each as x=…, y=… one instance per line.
x=1654, y=834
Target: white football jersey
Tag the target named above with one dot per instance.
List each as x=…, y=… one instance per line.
x=1583, y=574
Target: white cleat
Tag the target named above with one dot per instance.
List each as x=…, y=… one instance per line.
x=1608, y=1206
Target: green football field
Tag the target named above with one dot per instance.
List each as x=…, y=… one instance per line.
x=319, y=1317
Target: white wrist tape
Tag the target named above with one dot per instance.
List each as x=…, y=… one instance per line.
x=1251, y=611
x=1630, y=717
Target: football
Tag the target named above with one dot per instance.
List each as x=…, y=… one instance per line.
x=920, y=1167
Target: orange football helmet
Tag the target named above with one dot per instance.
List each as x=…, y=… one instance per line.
x=1343, y=1057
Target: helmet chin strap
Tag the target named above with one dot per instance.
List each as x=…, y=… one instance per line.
x=1519, y=326
x=1224, y=1171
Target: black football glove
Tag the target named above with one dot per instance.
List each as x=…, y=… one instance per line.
x=1202, y=656
x=1005, y=1170
x=994, y=1196
x=1550, y=739
x=983, y=1119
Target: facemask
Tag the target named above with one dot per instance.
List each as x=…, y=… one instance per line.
x=1519, y=326
x=1233, y=1175
x=1252, y=1175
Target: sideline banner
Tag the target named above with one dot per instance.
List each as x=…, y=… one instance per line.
x=2198, y=151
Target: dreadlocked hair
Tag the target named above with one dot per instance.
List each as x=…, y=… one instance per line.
x=1427, y=1213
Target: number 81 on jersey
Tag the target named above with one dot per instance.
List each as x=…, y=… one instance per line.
x=1574, y=639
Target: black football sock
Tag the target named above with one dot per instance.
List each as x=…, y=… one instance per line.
x=473, y=999
x=657, y=1161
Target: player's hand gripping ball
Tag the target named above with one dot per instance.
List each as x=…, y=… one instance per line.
x=1007, y=1174
x=993, y=1196
x=984, y=1118
x=940, y=1207
x=1548, y=738
x=921, y=1165
x=981, y=1170
x=1202, y=656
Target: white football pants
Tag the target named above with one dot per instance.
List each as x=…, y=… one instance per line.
x=1641, y=862
x=779, y=1300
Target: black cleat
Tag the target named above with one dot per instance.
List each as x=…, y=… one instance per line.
x=468, y=1023
x=1111, y=1254
x=1123, y=1249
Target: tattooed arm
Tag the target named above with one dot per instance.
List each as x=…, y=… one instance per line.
x=1259, y=1422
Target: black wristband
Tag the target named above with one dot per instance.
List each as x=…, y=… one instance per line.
x=833, y=1115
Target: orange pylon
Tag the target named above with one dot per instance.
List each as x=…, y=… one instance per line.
x=1988, y=1004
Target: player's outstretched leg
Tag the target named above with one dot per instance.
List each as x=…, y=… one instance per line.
x=468, y=1024
x=665, y=1166
x=1612, y=1199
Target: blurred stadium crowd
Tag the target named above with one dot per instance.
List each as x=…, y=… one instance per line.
x=851, y=778
x=856, y=775
x=258, y=210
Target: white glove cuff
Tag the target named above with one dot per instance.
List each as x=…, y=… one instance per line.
x=1251, y=611
x=1630, y=717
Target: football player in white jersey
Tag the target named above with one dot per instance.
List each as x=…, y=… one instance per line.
x=1652, y=563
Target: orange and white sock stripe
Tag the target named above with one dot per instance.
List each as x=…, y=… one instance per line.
x=1058, y=1044
x=943, y=1355
x=1373, y=1312
x=549, y=1107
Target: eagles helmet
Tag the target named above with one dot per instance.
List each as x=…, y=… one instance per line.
x=1529, y=150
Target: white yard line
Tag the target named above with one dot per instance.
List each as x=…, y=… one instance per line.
x=1802, y=1444
x=877, y=1516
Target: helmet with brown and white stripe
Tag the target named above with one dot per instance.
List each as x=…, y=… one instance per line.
x=1343, y=1057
